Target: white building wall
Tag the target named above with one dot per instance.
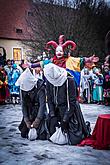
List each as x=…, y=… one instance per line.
x=10, y=44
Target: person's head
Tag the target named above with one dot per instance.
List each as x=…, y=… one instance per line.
x=97, y=71
x=59, y=52
x=55, y=74
x=38, y=70
x=59, y=48
x=106, y=69
x=8, y=62
x=12, y=62
x=86, y=71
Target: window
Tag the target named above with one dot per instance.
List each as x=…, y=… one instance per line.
x=17, y=55
x=19, y=31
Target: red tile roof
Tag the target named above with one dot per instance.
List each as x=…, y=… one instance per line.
x=13, y=16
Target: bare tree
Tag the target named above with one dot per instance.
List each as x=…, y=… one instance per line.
x=76, y=19
x=49, y=21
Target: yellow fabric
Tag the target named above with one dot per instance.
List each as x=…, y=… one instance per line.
x=6, y=81
x=73, y=63
x=1, y=83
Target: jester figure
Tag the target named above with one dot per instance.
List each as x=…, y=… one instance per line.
x=73, y=65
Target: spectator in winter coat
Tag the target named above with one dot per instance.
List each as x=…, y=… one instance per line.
x=8, y=66
x=85, y=85
x=2, y=56
x=98, y=86
x=4, y=91
x=106, y=85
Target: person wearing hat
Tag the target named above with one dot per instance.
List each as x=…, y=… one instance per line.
x=33, y=104
x=63, y=58
x=63, y=105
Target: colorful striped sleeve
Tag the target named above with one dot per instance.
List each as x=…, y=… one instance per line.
x=74, y=66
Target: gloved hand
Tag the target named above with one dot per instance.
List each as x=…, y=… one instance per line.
x=64, y=126
x=36, y=123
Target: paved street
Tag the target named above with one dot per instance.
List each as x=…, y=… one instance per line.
x=15, y=150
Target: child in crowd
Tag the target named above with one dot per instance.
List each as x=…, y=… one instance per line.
x=98, y=86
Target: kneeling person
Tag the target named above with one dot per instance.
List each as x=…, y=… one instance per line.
x=33, y=104
x=63, y=105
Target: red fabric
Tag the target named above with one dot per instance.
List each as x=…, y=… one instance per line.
x=4, y=95
x=60, y=62
x=100, y=138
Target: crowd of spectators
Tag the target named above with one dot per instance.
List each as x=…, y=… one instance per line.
x=94, y=82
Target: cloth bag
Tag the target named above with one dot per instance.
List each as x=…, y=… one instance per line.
x=32, y=135
x=59, y=137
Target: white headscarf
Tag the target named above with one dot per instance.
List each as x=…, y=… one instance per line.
x=55, y=74
x=26, y=81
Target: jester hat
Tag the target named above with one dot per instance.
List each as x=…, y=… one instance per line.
x=63, y=45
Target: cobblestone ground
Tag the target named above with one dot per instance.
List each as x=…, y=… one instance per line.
x=15, y=150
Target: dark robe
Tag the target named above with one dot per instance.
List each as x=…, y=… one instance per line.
x=58, y=109
x=34, y=105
